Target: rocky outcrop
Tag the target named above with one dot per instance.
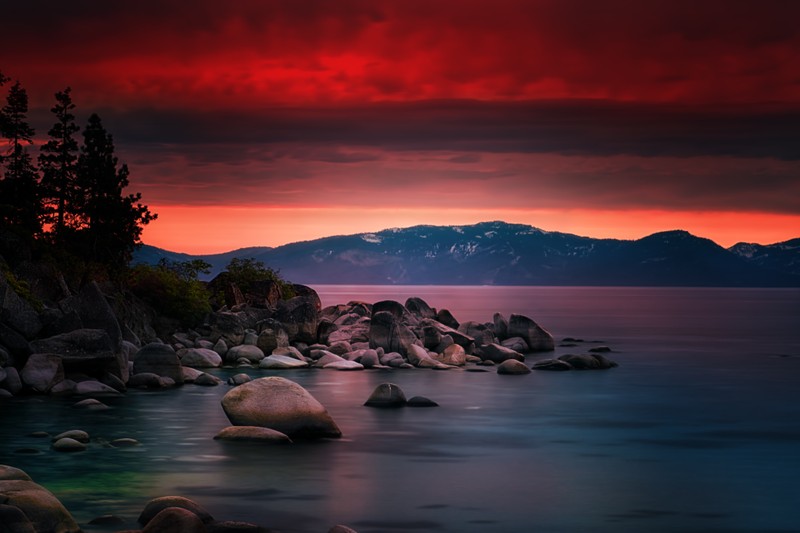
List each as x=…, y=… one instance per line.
x=279, y=404
x=537, y=338
x=17, y=313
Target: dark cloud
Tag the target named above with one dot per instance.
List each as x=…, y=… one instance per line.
x=568, y=127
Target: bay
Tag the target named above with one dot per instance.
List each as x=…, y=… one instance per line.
x=696, y=430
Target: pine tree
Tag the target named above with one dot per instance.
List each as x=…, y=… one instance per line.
x=20, y=206
x=112, y=221
x=58, y=162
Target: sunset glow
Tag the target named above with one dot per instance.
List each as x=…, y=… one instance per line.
x=263, y=122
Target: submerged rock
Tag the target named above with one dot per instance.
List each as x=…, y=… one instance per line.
x=421, y=401
x=279, y=404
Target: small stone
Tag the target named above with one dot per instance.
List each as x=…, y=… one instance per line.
x=76, y=434
x=239, y=379
x=68, y=445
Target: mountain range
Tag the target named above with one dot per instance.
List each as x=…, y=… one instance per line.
x=499, y=253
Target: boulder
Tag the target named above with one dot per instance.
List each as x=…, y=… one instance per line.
x=42, y=509
x=453, y=355
x=418, y=356
x=281, y=362
x=263, y=293
x=323, y=357
x=419, y=308
x=537, y=338
x=207, y=380
x=228, y=326
x=244, y=351
x=368, y=358
x=388, y=333
x=251, y=433
x=431, y=337
x=76, y=434
x=63, y=388
x=42, y=371
x=479, y=332
x=517, y=344
x=300, y=317
x=146, y=380
x=113, y=381
x=359, y=332
x=498, y=354
x=86, y=351
x=17, y=312
x=8, y=473
x=513, y=367
x=324, y=330
x=396, y=309
x=190, y=374
x=125, y=442
x=200, y=358
x=250, y=337
x=220, y=347
x=159, y=359
x=96, y=313
x=155, y=506
x=90, y=404
x=279, y=404
x=446, y=317
x=239, y=379
x=465, y=341
x=272, y=336
x=500, y=326
x=289, y=351
x=386, y=395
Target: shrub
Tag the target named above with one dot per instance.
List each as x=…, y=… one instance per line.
x=172, y=289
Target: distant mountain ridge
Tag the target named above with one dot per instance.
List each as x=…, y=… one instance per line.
x=499, y=253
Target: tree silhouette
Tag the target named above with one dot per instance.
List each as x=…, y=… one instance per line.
x=111, y=222
x=58, y=162
x=20, y=206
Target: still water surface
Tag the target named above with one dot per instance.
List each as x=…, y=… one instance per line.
x=698, y=429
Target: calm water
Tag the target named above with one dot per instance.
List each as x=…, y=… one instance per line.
x=697, y=430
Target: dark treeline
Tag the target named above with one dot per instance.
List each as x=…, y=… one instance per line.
x=69, y=200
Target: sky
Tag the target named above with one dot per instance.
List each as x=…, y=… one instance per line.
x=262, y=122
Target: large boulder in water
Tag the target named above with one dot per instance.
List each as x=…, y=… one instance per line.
x=590, y=361
x=159, y=359
x=513, y=367
x=279, y=404
x=537, y=338
x=498, y=354
x=43, y=510
x=419, y=308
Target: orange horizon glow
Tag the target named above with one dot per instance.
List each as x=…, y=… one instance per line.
x=218, y=229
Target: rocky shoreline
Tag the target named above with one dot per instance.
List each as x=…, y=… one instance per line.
x=86, y=349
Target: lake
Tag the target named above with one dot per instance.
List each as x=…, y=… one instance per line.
x=697, y=430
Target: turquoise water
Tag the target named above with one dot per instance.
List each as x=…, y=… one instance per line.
x=696, y=430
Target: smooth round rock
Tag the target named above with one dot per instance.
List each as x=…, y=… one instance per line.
x=91, y=404
x=207, y=380
x=386, y=395
x=279, y=404
x=512, y=367
x=68, y=445
x=175, y=520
